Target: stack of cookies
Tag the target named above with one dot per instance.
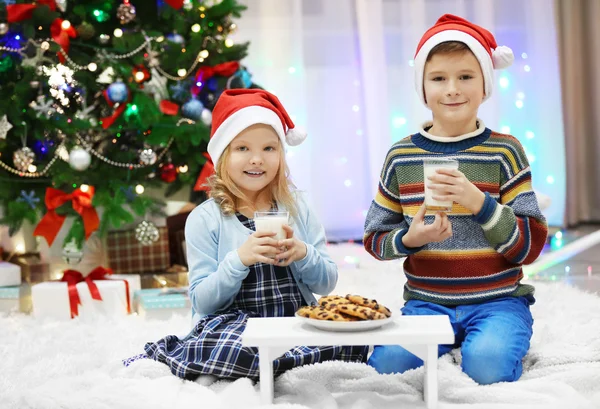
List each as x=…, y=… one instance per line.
x=348, y=308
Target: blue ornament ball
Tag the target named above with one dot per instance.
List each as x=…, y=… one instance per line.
x=117, y=92
x=245, y=76
x=192, y=109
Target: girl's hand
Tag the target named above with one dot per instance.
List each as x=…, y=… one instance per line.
x=293, y=249
x=420, y=234
x=452, y=184
x=260, y=247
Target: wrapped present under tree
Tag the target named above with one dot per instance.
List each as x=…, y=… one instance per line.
x=100, y=293
x=162, y=303
x=127, y=254
x=15, y=299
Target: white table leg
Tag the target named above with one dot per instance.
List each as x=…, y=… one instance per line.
x=265, y=366
x=430, y=391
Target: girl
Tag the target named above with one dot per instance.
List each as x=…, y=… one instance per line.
x=237, y=272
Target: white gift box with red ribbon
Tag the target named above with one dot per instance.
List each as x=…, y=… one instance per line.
x=53, y=299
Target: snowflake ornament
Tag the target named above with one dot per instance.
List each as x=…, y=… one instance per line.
x=157, y=86
x=5, y=126
x=42, y=106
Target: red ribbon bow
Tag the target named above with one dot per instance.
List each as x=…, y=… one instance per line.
x=20, y=12
x=73, y=277
x=207, y=170
x=226, y=69
x=51, y=223
x=61, y=36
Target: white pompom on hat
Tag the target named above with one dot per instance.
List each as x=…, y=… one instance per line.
x=479, y=40
x=238, y=109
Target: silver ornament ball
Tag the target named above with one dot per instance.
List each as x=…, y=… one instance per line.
x=206, y=117
x=147, y=157
x=72, y=254
x=146, y=233
x=79, y=159
x=23, y=158
x=3, y=28
x=126, y=13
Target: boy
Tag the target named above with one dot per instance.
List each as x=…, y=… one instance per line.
x=466, y=263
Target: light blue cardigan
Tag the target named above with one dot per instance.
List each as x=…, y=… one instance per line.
x=216, y=271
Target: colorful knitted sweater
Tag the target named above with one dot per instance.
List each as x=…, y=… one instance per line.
x=483, y=258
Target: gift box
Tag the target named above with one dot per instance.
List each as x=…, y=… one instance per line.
x=176, y=228
x=127, y=255
x=54, y=300
x=10, y=274
x=15, y=299
x=162, y=304
x=33, y=270
x=174, y=276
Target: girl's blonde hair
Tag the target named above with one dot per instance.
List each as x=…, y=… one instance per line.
x=228, y=196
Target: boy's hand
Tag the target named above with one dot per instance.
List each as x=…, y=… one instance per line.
x=294, y=249
x=420, y=233
x=452, y=184
x=260, y=247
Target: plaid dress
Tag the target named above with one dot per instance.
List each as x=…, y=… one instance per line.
x=215, y=347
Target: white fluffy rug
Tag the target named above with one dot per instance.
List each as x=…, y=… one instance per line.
x=77, y=364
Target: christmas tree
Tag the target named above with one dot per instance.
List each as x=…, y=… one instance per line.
x=101, y=99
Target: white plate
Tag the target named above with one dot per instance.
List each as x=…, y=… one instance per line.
x=345, y=326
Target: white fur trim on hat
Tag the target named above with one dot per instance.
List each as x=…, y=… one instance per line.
x=476, y=47
x=237, y=122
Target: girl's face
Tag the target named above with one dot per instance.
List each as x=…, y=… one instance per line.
x=254, y=159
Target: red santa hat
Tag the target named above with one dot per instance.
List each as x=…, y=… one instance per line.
x=481, y=42
x=237, y=109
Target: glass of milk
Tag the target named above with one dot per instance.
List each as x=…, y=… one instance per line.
x=429, y=169
x=272, y=221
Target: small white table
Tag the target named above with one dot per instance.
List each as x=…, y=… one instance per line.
x=420, y=335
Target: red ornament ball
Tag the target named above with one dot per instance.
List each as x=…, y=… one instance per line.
x=168, y=173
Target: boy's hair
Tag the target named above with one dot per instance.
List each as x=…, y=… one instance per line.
x=227, y=195
x=448, y=47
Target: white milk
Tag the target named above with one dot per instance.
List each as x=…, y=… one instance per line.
x=429, y=169
x=272, y=224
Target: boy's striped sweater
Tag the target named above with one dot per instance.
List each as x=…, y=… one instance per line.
x=483, y=258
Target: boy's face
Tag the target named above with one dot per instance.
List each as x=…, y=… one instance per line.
x=254, y=157
x=453, y=86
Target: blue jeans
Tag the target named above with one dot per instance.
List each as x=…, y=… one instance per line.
x=493, y=337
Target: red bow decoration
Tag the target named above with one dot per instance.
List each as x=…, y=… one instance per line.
x=61, y=36
x=176, y=4
x=226, y=69
x=109, y=120
x=20, y=12
x=73, y=277
x=51, y=223
x=207, y=170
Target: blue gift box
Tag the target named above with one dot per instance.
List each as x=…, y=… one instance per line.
x=15, y=298
x=162, y=303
